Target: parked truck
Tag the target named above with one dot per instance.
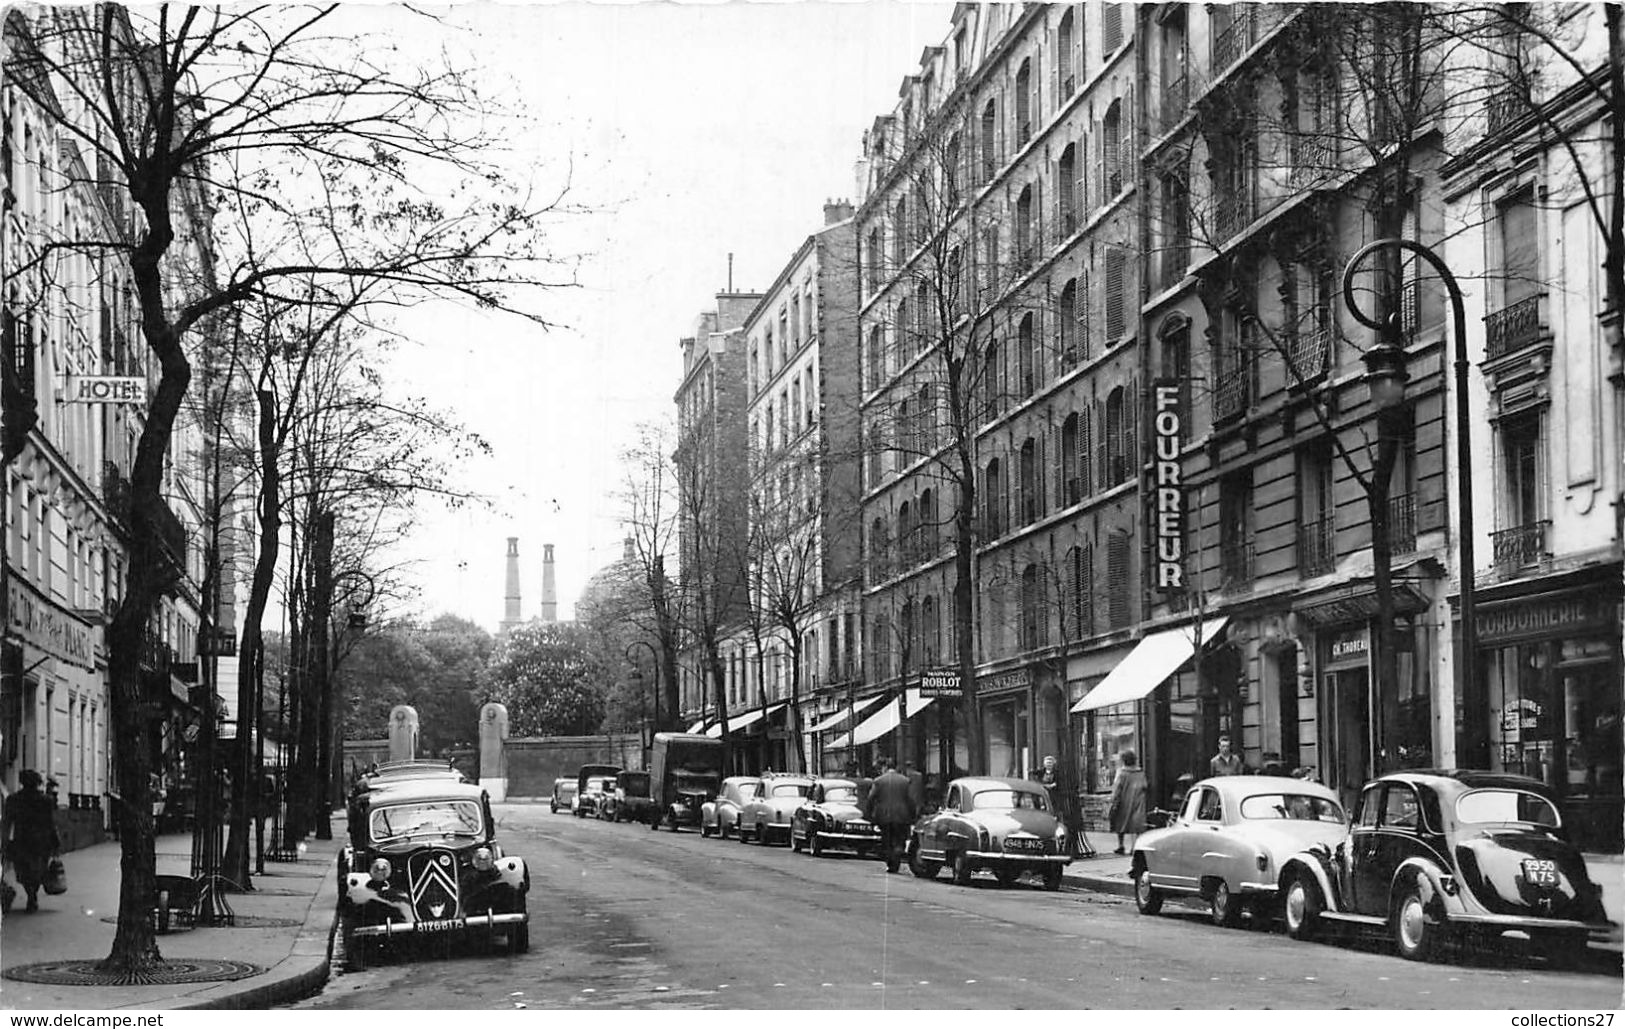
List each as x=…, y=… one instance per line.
x=685, y=771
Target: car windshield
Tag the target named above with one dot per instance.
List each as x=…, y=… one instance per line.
x=749, y=790
x=1294, y=807
x=1506, y=806
x=1005, y=800
x=790, y=789
x=599, y=784
x=426, y=818
x=839, y=794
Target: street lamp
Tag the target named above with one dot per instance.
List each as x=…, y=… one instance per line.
x=329, y=770
x=1386, y=376
x=636, y=675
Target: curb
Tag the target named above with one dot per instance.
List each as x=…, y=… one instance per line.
x=303, y=972
x=1100, y=884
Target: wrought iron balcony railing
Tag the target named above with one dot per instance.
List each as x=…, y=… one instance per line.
x=1520, y=546
x=1505, y=107
x=1236, y=562
x=1233, y=392
x=1309, y=352
x=1233, y=211
x=1172, y=261
x=1175, y=97
x=1317, y=550
x=1402, y=524
x=1311, y=157
x=1512, y=327
x=1235, y=38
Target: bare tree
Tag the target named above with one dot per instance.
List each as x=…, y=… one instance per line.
x=162, y=107
x=650, y=519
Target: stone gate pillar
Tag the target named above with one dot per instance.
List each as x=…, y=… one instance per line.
x=403, y=732
x=493, y=761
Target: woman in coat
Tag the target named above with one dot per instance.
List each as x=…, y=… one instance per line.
x=1127, y=811
x=30, y=834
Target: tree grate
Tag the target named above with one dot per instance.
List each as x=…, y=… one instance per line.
x=169, y=971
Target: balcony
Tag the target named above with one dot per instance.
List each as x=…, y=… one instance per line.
x=1235, y=563
x=1234, y=39
x=1309, y=352
x=1402, y=524
x=1233, y=392
x=1317, y=549
x=1175, y=98
x=1233, y=211
x=1311, y=157
x=156, y=655
x=1520, y=547
x=1513, y=327
x=1505, y=107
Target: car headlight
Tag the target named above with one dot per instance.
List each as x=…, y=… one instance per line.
x=986, y=840
x=1060, y=830
x=1263, y=862
x=484, y=861
x=380, y=870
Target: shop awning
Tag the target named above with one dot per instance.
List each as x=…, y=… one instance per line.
x=697, y=726
x=744, y=721
x=883, y=721
x=839, y=717
x=1149, y=664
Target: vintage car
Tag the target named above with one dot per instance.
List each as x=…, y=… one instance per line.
x=1229, y=841
x=422, y=860
x=720, y=817
x=1437, y=853
x=829, y=817
x=564, y=794
x=1003, y=825
x=630, y=801
x=768, y=814
x=685, y=772
x=593, y=784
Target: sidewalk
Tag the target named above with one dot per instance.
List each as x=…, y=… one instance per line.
x=297, y=901
x=1108, y=873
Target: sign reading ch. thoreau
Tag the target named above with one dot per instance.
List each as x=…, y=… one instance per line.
x=1168, y=495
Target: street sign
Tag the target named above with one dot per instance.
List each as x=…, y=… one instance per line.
x=940, y=685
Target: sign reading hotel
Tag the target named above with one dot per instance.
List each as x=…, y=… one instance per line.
x=1168, y=495
x=107, y=389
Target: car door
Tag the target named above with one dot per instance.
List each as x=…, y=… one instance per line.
x=1166, y=863
x=1398, y=836
x=1364, y=886
x=1200, y=837
x=936, y=829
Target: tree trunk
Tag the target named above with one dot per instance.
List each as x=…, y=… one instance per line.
x=250, y=659
x=793, y=721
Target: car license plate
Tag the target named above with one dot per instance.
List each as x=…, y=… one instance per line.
x=438, y=925
x=1540, y=872
x=1023, y=844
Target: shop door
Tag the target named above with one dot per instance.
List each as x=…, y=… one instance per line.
x=1351, y=729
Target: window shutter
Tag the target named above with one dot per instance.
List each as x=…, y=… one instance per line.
x=1086, y=437
x=1081, y=302
x=1126, y=162
x=1101, y=143
x=1103, y=454
x=1040, y=476
x=1131, y=429
x=1115, y=266
x=1118, y=587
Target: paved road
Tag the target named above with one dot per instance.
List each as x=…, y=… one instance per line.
x=623, y=917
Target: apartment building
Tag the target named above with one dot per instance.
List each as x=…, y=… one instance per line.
x=997, y=239
x=77, y=378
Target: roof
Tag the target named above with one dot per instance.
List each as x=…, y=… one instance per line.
x=1469, y=778
x=406, y=790
x=1252, y=785
x=991, y=782
x=837, y=781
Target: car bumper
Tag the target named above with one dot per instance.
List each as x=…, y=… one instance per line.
x=848, y=837
x=1020, y=858
x=1507, y=923
x=441, y=925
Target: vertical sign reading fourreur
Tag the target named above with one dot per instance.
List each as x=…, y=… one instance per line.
x=1168, y=505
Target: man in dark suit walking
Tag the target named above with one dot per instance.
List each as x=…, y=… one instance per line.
x=891, y=806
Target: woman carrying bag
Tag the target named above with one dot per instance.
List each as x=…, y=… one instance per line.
x=1127, y=811
x=31, y=842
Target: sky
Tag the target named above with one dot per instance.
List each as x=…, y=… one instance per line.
x=692, y=132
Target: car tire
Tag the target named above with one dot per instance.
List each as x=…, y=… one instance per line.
x=1223, y=906
x=922, y=868
x=1414, y=937
x=1302, y=906
x=761, y=835
x=1147, y=898
x=552, y=807
x=1564, y=950
x=705, y=831
x=1052, y=878
x=355, y=948
x=815, y=846
x=963, y=869
x=519, y=938
x=797, y=843
x=742, y=836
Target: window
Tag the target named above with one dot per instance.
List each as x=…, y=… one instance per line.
x=930, y=632
x=1030, y=505
x=899, y=232
x=993, y=501
x=1025, y=105
x=795, y=322
x=925, y=317
x=992, y=386
x=1026, y=240
x=1068, y=189
x=768, y=443
x=872, y=264
x=755, y=369
x=1064, y=76
x=1111, y=169
x=1236, y=527
x=1518, y=249
x=877, y=358
x=1116, y=467
x=1027, y=355
x=951, y=172
x=795, y=401
x=1119, y=582
x=784, y=338
x=1081, y=590
x=989, y=140
x=1522, y=454
x=905, y=535
x=811, y=405
x=879, y=549
x=1176, y=226
x=1071, y=488
x=928, y=525
x=1034, y=620
x=1317, y=523
x=1399, y=809
x=1066, y=316
x=1111, y=29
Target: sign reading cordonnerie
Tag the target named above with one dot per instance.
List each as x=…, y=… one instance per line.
x=107, y=389
x=1168, y=495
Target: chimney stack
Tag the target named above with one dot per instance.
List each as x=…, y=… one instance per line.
x=837, y=211
x=511, y=617
x=550, y=596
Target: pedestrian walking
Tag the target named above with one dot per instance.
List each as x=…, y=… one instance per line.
x=916, y=785
x=30, y=834
x=1127, y=810
x=1224, y=762
x=892, y=807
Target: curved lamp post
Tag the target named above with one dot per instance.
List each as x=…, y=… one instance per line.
x=330, y=768
x=1386, y=376
x=636, y=675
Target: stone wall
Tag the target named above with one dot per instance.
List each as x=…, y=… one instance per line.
x=534, y=763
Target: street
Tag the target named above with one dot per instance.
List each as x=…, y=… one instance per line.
x=623, y=917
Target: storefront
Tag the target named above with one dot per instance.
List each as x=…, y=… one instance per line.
x=1550, y=675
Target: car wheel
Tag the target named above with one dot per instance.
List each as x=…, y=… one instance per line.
x=355, y=948
x=1052, y=878
x=519, y=938
x=1222, y=905
x=797, y=842
x=1302, y=907
x=705, y=831
x=1565, y=950
x=1147, y=898
x=761, y=835
x=1414, y=936
x=742, y=836
x=1007, y=876
x=552, y=807
x=922, y=868
x=815, y=846
x=963, y=869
